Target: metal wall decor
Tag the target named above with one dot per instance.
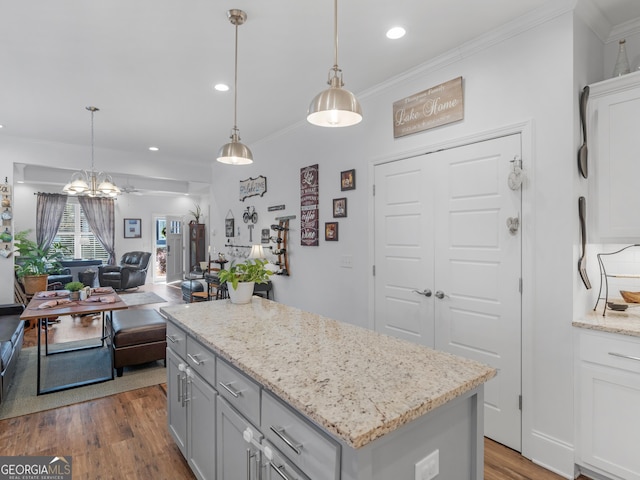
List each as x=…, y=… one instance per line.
x=6, y=236
x=229, y=225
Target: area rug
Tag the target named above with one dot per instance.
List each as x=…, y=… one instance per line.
x=142, y=298
x=22, y=398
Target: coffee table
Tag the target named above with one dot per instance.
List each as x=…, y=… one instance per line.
x=70, y=365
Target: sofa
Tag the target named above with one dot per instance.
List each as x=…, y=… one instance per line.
x=130, y=273
x=11, y=338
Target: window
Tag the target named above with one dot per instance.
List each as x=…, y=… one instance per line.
x=75, y=234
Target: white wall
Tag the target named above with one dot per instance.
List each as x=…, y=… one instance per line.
x=527, y=79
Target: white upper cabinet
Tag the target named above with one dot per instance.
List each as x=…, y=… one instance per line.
x=614, y=158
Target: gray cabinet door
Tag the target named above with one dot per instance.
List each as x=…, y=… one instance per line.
x=176, y=408
x=201, y=417
x=237, y=459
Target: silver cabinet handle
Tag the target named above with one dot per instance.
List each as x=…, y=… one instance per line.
x=250, y=456
x=171, y=338
x=278, y=471
x=187, y=383
x=179, y=388
x=235, y=393
x=426, y=292
x=628, y=357
x=440, y=294
x=279, y=431
x=194, y=359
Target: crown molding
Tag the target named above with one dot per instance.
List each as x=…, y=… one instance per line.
x=526, y=22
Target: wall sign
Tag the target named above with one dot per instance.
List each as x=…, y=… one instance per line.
x=252, y=187
x=275, y=208
x=309, y=198
x=431, y=108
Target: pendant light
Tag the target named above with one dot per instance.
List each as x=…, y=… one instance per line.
x=235, y=152
x=90, y=183
x=335, y=107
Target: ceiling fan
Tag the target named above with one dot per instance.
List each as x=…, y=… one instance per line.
x=128, y=188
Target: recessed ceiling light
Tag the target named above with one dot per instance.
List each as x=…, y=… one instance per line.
x=395, y=33
x=1, y=126
x=154, y=149
x=221, y=87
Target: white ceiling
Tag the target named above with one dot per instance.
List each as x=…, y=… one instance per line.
x=149, y=65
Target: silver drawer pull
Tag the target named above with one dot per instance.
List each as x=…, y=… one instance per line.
x=171, y=338
x=278, y=471
x=279, y=431
x=628, y=357
x=235, y=393
x=194, y=359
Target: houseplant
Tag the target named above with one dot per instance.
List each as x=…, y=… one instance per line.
x=241, y=278
x=74, y=289
x=33, y=263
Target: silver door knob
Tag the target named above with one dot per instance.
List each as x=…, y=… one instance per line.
x=425, y=292
x=440, y=294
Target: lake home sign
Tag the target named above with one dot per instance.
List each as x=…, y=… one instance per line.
x=430, y=108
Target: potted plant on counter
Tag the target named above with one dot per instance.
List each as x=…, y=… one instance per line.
x=241, y=278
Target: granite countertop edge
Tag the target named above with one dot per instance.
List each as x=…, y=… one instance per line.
x=622, y=323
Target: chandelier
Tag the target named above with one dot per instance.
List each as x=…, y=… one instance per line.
x=90, y=183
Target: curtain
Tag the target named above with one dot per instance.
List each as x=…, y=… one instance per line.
x=49, y=210
x=100, y=214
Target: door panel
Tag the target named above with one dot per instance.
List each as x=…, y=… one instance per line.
x=440, y=224
x=477, y=266
x=175, y=250
x=404, y=251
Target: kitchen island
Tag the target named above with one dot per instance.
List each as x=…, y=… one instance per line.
x=369, y=406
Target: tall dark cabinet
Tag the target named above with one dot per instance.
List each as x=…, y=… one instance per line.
x=197, y=242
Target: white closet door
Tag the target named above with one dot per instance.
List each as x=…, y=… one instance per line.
x=404, y=250
x=478, y=268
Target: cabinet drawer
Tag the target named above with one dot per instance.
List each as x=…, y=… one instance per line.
x=310, y=449
x=239, y=390
x=201, y=360
x=177, y=340
x=610, y=350
x=279, y=465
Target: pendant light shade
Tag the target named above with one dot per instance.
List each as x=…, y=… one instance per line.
x=335, y=107
x=235, y=152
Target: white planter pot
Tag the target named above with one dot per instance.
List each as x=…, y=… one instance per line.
x=242, y=294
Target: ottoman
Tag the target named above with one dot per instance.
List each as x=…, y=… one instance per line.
x=137, y=336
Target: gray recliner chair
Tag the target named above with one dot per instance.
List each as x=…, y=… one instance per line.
x=130, y=273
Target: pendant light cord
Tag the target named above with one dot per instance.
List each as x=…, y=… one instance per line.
x=235, y=87
x=335, y=30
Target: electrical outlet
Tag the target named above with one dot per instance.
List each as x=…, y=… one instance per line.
x=346, y=261
x=429, y=467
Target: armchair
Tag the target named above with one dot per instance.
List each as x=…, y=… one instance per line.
x=130, y=273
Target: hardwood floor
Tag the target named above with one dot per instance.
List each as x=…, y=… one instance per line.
x=126, y=435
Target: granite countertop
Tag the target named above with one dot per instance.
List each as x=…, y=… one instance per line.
x=623, y=323
x=356, y=383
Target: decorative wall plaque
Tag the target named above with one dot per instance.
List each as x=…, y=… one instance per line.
x=431, y=108
x=252, y=187
x=309, y=198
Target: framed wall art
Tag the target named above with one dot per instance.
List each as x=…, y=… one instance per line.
x=132, y=228
x=339, y=207
x=348, y=180
x=331, y=231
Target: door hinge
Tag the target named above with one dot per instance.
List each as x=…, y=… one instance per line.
x=520, y=402
x=374, y=190
x=374, y=270
x=520, y=285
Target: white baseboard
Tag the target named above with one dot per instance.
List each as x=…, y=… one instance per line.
x=553, y=454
